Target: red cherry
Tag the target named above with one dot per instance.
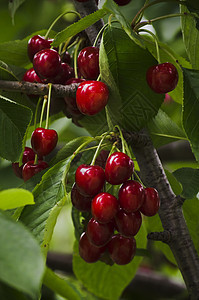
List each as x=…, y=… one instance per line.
x=89, y=179
x=122, y=249
x=28, y=155
x=119, y=167
x=31, y=76
x=102, y=158
x=47, y=63
x=131, y=196
x=104, y=207
x=74, y=80
x=88, y=251
x=122, y=2
x=128, y=224
x=162, y=78
x=99, y=234
x=66, y=58
x=36, y=44
x=151, y=202
x=88, y=62
x=30, y=169
x=43, y=140
x=79, y=201
x=91, y=97
x=64, y=74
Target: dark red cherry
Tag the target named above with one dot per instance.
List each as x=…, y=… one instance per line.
x=47, y=63
x=79, y=201
x=28, y=155
x=30, y=169
x=88, y=62
x=131, y=195
x=74, y=80
x=151, y=202
x=162, y=78
x=66, y=72
x=99, y=234
x=119, y=167
x=36, y=44
x=31, y=76
x=66, y=58
x=122, y=2
x=122, y=249
x=102, y=158
x=43, y=140
x=72, y=108
x=128, y=224
x=104, y=207
x=91, y=97
x=89, y=179
x=88, y=251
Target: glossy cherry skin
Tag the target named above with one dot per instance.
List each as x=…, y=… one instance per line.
x=66, y=72
x=30, y=169
x=31, y=76
x=89, y=179
x=88, y=251
x=122, y=2
x=88, y=62
x=119, y=167
x=104, y=207
x=122, y=249
x=99, y=234
x=131, y=196
x=102, y=158
x=47, y=63
x=79, y=201
x=151, y=202
x=36, y=44
x=43, y=140
x=128, y=224
x=91, y=97
x=28, y=155
x=162, y=78
x=66, y=58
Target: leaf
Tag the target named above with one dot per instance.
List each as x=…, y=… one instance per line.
x=6, y=73
x=189, y=178
x=77, y=27
x=191, y=109
x=14, y=120
x=192, y=5
x=175, y=184
x=21, y=262
x=13, y=198
x=13, y=6
x=100, y=278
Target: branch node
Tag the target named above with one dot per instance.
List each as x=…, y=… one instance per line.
x=164, y=236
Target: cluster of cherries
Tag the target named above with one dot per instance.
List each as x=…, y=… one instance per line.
x=114, y=222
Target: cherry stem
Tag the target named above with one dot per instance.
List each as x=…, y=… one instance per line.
x=122, y=138
x=138, y=178
x=99, y=33
x=48, y=106
x=75, y=57
x=156, y=42
x=98, y=149
x=36, y=159
x=36, y=111
x=42, y=110
x=59, y=17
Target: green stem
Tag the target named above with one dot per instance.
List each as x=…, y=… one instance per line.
x=42, y=111
x=36, y=111
x=99, y=33
x=48, y=106
x=156, y=42
x=75, y=57
x=138, y=178
x=122, y=138
x=98, y=149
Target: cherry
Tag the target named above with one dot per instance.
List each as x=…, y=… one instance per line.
x=89, y=179
x=70, y=101
x=28, y=155
x=128, y=224
x=30, y=169
x=31, y=76
x=88, y=251
x=162, y=78
x=47, y=63
x=104, y=207
x=65, y=73
x=119, y=167
x=66, y=58
x=99, y=234
x=122, y=249
x=131, y=195
x=79, y=201
x=88, y=62
x=43, y=140
x=102, y=158
x=122, y=2
x=91, y=97
x=151, y=202
x=36, y=44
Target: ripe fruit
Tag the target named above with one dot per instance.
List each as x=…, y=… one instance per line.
x=36, y=44
x=119, y=167
x=28, y=155
x=65, y=73
x=104, y=207
x=99, y=234
x=66, y=58
x=91, y=97
x=131, y=195
x=79, y=201
x=128, y=224
x=89, y=179
x=47, y=63
x=30, y=169
x=88, y=62
x=162, y=78
x=31, y=76
x=151, y=202
x=122, y=2
x=88, y=251
x=122, y=249
x=43, y=140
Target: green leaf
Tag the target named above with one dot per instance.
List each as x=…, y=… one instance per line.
x=13, y=198
x=100, y=278
x=21, y=262
x=6, y=72
x=191, y=108
x=14, y=120
x=189, y=178
x=193, y=6
x=77, y=27
x=175, y=184
x=13, y=6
